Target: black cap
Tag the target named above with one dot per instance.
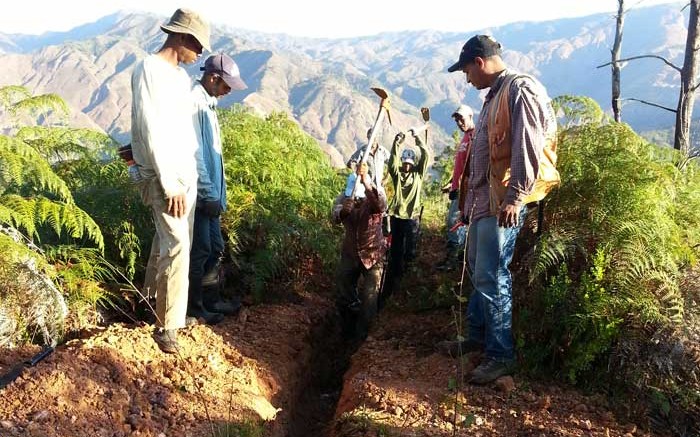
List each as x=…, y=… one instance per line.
x=482, y=46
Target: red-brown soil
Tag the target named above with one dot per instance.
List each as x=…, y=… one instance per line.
x=262, y=369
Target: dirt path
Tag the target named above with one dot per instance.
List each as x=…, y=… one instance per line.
x=398, y=386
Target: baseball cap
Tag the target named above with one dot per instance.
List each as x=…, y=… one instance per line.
x=225, y=67
x=482, y=46
x=463, y=110
x=191, y=23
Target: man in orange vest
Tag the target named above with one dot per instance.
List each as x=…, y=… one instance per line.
x=510, y=163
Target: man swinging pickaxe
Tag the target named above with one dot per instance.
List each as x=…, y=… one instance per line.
x=383, y=109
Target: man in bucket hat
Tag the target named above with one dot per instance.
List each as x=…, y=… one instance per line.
x=164, y=146
x=220, y=76
x=514, y=141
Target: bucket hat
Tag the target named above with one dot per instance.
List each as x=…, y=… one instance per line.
x=191, y=23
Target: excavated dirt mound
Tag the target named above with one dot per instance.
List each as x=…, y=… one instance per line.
x=246, y=370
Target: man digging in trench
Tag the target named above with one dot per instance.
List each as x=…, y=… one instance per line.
x=362, y=252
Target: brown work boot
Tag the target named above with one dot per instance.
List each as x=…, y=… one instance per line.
x=166, y=339
x=491, y=370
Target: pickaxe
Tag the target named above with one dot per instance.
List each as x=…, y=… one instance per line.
x=383, y=108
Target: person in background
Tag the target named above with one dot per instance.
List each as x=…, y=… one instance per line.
x=511, y=162
x=221, y=75
x=375, y=161
x=407, y=175
x=464, y=118
x=361, y=254
x=164, y=145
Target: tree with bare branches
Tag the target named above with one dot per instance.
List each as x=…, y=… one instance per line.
x=615, y=64
x=688, y=75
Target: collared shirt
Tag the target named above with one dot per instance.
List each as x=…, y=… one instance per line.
x=531, y=119
x=211, y=184
x=363, y=227
x=162, y=134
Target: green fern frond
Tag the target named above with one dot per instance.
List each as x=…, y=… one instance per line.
x=34, y=173
x=28, y=214
x=552, y=250
x=57, y=143
x=41, y=105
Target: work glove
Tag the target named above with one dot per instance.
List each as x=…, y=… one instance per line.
x=453, y=194
x=211, y=208
x=398, y=139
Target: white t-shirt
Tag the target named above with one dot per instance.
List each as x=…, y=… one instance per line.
x=163, y=138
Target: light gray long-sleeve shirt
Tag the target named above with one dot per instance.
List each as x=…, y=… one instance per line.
x=162, y=132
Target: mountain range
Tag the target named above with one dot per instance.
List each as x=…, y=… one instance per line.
x=324, y=84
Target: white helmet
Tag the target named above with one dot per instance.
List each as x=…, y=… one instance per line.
x=408, y=155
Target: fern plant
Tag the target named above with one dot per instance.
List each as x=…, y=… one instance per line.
x=281, y=188
x=621, y=228
x=38, y=211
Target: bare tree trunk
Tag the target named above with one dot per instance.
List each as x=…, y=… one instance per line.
x=615, y=65
x=686, y=97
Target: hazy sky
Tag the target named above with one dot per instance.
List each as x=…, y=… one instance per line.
x=316, y=18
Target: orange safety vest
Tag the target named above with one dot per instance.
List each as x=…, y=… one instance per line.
x=500, y=143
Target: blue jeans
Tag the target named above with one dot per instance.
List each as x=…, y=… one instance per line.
x=455, y=239
x=489, y=313
x=207, y=246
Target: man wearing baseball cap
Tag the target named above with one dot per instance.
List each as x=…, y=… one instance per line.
x=164, y=146
x=514, y=143
x=464, y=118
x=220, y=76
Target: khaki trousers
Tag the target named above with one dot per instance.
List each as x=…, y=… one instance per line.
x=167, y=272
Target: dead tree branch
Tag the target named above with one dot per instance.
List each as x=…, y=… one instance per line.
x=651, y=104
x=664, y=60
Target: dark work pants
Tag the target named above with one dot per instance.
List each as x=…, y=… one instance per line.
x=207, y=248
x=404, y=236
x=357, y=304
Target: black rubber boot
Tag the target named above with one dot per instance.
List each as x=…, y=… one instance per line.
x=214, y=302
x=196, y=308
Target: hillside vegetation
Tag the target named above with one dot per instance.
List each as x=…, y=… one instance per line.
x=603, y=297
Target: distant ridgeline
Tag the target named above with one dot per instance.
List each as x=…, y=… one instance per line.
x=324, y=84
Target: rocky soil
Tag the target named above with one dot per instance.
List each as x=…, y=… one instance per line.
x=281, y=370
